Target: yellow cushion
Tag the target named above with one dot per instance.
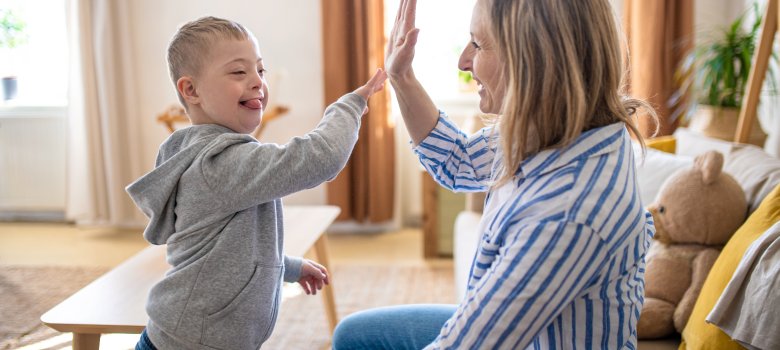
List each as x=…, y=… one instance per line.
x=699, y=335
x=666, y=144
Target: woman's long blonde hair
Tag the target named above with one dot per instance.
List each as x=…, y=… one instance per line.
x=564, y=70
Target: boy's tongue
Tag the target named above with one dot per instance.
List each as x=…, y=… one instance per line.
x=254, y=104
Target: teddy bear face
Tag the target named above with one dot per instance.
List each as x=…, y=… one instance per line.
x=701, y=205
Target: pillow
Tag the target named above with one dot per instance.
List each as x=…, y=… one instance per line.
x=755, y=170
x=697, y=333
x=654, y=168
x=666, y=143
x=741, y=311
x=692, y=144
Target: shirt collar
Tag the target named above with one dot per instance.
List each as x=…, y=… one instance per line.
x=591, y=143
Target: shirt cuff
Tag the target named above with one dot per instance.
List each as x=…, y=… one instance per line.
x=292, y=268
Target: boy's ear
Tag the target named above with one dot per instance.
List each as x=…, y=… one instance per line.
x=186, y=88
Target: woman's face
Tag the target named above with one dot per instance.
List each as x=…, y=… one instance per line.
x=481, y=59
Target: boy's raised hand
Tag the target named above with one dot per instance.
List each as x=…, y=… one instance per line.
x=376, y=83
x=313, y=276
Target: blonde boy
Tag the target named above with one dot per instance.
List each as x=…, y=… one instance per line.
x=214, y=197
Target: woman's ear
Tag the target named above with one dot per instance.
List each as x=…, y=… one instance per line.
x=187, y=90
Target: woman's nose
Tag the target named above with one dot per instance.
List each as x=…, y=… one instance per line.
x=465, y=60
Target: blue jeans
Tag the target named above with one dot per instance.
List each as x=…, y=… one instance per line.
x=392, y=327
x=144, y=343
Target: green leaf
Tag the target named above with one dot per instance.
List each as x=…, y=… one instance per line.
x=11, y=29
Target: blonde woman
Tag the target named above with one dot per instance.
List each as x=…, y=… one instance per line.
x=564, y=232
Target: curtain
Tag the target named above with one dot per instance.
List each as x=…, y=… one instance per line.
x=660, y=34
x=104, y=153
x=353, y=44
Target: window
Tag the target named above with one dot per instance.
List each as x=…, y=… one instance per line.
x=444, y=32
x=40, y=63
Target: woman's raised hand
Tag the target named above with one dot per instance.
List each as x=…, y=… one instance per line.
x=403, y=37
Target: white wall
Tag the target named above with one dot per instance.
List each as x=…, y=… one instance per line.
x=290, y=36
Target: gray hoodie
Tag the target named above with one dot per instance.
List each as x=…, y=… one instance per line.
x=214, y=199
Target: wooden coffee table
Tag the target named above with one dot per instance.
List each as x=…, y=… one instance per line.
x=115, y=302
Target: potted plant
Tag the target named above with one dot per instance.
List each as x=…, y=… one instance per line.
x=12, y=35
x=717, y=71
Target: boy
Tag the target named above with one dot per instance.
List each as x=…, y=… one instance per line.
x=214, y=196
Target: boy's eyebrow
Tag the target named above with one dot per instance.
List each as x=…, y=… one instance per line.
x=244, y=60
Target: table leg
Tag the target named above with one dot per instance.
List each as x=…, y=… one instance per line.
x=86, y=341
x=321, y=250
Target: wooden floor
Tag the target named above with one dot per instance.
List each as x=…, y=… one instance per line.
x=62, y=244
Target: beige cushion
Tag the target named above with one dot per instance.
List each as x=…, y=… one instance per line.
x=692, y=144
x=755, y=170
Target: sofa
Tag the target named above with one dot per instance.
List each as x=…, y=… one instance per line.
x=757, y=172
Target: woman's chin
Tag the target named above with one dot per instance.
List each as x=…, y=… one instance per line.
x=485, y=107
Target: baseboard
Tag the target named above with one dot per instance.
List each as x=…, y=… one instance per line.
x=33, y=216
x=356, y=227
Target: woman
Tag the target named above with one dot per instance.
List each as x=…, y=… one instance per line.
x=564, y=232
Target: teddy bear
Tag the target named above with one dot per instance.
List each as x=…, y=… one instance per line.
x=695, y=213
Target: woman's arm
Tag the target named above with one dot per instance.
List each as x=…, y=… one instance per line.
x=456, y=161
x=417, y=108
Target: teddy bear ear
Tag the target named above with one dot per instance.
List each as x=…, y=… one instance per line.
x=710, y=164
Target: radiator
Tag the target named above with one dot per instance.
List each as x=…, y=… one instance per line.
x=32, y=161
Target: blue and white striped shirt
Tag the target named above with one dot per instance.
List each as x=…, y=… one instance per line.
x=562, y=256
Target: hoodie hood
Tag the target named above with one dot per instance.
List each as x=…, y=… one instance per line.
x=155, y=192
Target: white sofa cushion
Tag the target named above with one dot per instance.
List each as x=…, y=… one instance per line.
x=465, y=246
x=691, y=144
x=654, y=169
x=756, y=171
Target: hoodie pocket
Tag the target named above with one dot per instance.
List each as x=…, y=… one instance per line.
x=247, y=321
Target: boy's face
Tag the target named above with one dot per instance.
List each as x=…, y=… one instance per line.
x=230, y=89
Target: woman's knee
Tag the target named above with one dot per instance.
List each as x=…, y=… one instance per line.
x=391, y=327
x=351, y=331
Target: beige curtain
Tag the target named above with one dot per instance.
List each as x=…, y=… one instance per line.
x=103, y=134
x=353, y=44
x=660, y=34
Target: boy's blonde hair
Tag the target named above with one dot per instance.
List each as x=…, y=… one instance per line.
x=190, y=46
x=564, y=70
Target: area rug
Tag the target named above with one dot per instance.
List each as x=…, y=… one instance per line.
x=27, y=292
x=302, y=323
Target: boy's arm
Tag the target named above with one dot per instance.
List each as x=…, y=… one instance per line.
x=292, y=268
x=242, y=173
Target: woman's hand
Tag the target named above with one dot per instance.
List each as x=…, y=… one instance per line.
x=313, y=276
x=417, y=108
x=403, y=37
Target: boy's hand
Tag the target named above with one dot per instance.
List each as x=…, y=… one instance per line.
x=313, y=276
x=376, y=83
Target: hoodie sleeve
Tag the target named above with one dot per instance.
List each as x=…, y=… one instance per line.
x=244, y=174
x=292, y=268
